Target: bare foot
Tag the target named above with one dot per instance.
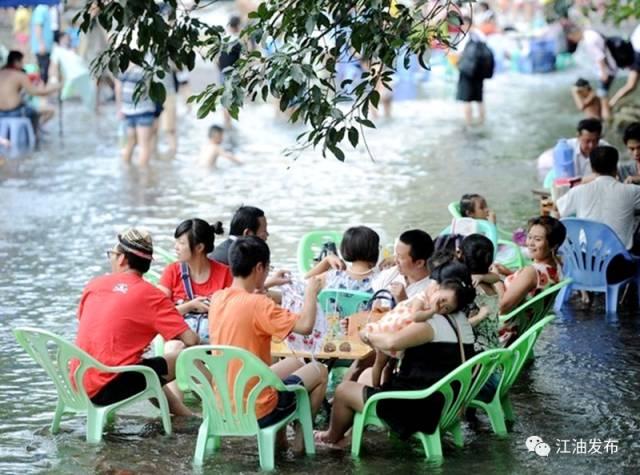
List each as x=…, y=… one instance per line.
x=322, y=439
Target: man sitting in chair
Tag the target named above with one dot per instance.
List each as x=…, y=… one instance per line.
x=608, y=201
x=119, y=314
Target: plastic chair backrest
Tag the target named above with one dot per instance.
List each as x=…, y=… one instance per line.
x=536, y=308
x=454, y=209
x=548, y=179
x=238, y=379
x=310, y=246
x=344, y=302
x=461, y=385
x=55, y=354
x=588, y=249
x=483, y=227
x=518, y=351
x=165, y=255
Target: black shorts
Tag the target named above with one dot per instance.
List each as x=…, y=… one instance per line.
x=43, y=66
x=469, y=89
x=636, y=63
x=130, y=383
x=286, y=404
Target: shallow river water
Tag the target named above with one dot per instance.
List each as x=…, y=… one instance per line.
x=62, y=207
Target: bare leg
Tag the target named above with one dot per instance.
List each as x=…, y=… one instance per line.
x=348, y=400
x=145, y=139
x=606, y=110
x=127, y=150
x=481, y=112
x=174, y=397
x=314, y=376
x=468, y=113
x=286, y=366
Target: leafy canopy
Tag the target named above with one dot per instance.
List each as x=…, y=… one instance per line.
x=291, y=50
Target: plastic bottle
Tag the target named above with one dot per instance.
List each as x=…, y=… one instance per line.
x=122, y=133
x=563, y=160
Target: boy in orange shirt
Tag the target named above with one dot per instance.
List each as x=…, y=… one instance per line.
x=241, y=316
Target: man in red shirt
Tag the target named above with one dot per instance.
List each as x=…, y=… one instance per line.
x=119, y=314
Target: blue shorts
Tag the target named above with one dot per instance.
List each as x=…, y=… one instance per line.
x=286, y=404
x=145, y=119
x=603, y=86
x=23, y=110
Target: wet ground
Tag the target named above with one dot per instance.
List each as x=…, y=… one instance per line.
x=62, y=207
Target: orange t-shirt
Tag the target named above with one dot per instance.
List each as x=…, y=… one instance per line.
x=249, y=321
x=119, y=314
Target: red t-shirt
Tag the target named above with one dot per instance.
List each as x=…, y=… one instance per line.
x=219, y=278
x=119, y=315
x=249, y=321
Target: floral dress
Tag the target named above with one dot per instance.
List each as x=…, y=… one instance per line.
x=486, y=332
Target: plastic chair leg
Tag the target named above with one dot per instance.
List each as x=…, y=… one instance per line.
x=432, y=445
x=57, y=416
x=496, y=417
x=562, y=297
x=306, y=426
x=611, y=298
x=267, y=449
x=203, y=444
x=356, y=434
x=165, y=413
x=95, y=425
x=458, y=437
x=507, y=409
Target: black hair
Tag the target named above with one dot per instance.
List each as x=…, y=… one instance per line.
x=477, y=253
x=455, y=276
x=468, y=203
x=420, y=243
x=234, y=21
x=590, y=125
x=439, y=258
x=360, y=243
x=135, y=262
x=245, y=217
x=448, y=242
x=13, y=57
x=199, y=232
x=581, y=82
x=246, y=253
x=604, y=160
x=215, y=129
x=555, y=230
x=632, y=132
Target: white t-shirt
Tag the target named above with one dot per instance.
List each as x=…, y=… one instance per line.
x=581, y=163
x=443, y=332
x=635, y=39
x=605, y=200
x=392, y=275
x=596, y=49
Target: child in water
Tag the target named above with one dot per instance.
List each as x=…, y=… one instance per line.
x=213, y=149
x=586, y=100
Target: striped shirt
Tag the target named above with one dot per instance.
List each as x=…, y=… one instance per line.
x=130, y=80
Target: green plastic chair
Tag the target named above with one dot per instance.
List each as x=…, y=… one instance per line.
x=499, y=410
x=55, y=354
x=167, y=256
x=548, y=179
x=534, y=309
x=454, y=210
x=310, y=246
x=469, y=377
x=152, y=277
x=224, y=410
x=347, y=302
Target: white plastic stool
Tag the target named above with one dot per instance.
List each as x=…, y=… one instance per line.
x=19, y=131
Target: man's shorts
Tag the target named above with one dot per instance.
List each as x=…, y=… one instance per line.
x=130, y=383
x=145, y=119
x=603, y=86
x=286, y=404
x=23, y=110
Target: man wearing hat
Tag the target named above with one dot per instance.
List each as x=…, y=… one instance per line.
x=119, y=314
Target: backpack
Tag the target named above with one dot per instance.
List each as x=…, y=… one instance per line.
x=621, y=50
x=477, y=60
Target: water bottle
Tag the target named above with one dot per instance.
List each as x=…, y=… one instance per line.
x=122, y=133
x=563, y=160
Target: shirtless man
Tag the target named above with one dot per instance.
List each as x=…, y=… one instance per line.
x=13, y=82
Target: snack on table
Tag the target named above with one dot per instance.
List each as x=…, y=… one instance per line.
x=329, y=347
x=345, y=347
